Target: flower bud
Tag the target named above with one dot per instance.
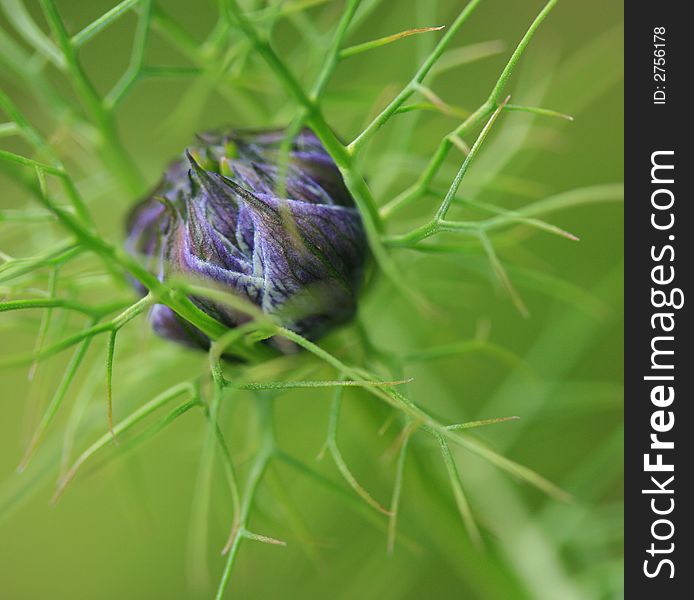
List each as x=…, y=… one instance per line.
x=221, y=215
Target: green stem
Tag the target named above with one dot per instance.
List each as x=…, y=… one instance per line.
x=333, y=55
x=114, y=324
x=388, y=39
x=126, y=424
x=402, y=403
x=49, y=303
x=116, y=156
x=416, y=191
x=453, y=189
x=137, y=59
x=260, y=464
x=496, y=92
x=103, y=21
x=37, y=140
x=417, y=80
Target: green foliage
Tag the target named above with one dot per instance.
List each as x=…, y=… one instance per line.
x=77, y=307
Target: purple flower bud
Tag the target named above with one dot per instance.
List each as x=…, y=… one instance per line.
x=216, y=216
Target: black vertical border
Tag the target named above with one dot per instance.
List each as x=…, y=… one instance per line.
x=650, y=127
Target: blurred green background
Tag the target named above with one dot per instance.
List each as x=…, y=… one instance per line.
x=124, y=530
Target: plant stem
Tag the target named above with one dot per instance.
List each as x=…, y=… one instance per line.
x=417, y=80
x=260, y=464
x=416, y=191
x=116, y=156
